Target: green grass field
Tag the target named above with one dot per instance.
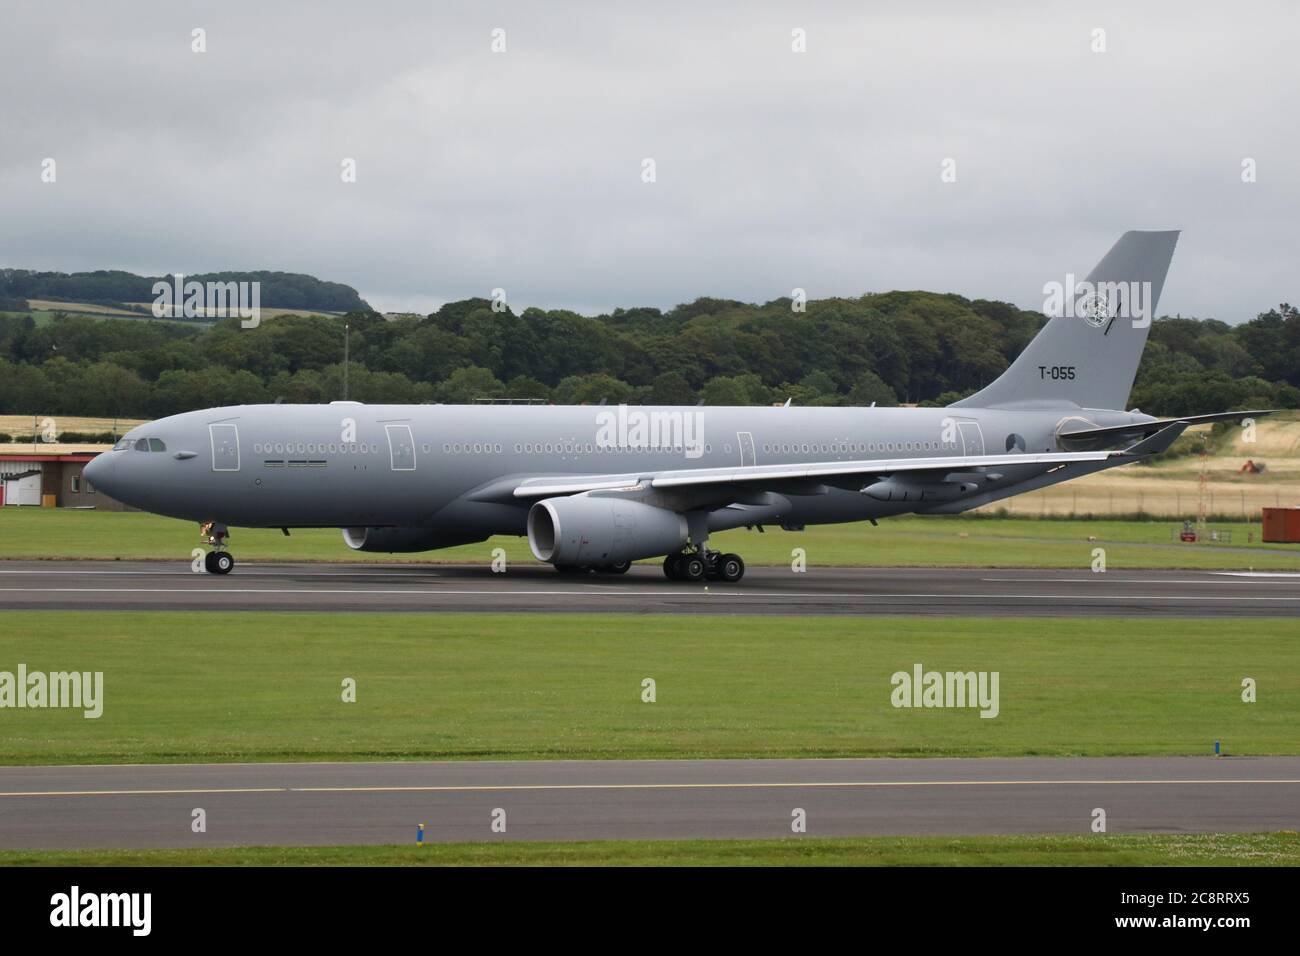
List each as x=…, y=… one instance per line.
x=907, y=541
x=1212, y=849
x=267, y=686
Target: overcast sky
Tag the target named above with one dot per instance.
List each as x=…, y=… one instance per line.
x=774, y=169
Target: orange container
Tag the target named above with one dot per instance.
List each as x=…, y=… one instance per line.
x=1282, y=524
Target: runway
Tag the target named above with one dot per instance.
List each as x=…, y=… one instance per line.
x=371, y=803
x=151, y=585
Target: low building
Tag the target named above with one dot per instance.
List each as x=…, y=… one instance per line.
x=52, y=478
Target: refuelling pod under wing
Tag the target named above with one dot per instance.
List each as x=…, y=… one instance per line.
x=590, y=529
x=892, y=489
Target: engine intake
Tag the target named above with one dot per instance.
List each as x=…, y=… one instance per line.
x=586, y=529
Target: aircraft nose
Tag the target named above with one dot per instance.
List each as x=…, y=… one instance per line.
x=99, y=471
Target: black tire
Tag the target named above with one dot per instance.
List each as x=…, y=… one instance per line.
x=223, y=562
x=620, y=568
x=207, y=562
x=731, y=568
x=670, y=567
x=692, y=568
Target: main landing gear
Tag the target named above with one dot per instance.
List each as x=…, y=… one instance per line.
x=703, y=564
x=219, y=560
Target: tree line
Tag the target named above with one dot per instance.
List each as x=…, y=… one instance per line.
x=897, y=347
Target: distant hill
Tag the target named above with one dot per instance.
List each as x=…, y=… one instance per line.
x=280, y=290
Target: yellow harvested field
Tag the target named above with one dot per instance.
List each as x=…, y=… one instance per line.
x=267, y=312
x=1120, y=492
x=22, y=424
x=48, y=305
x=1172, y=488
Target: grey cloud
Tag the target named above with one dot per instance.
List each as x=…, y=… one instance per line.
x=775, y=170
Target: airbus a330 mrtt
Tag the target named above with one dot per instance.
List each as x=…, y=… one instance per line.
x=595, y=488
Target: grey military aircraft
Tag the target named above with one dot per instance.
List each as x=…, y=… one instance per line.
x=595, y=488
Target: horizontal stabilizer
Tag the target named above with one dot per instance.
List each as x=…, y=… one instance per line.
x=1096, y=437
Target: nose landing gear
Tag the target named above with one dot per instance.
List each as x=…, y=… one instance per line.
x=219, y=560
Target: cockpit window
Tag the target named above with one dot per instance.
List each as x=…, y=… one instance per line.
x=156, y=444
x=142, y=444
x=122, y=445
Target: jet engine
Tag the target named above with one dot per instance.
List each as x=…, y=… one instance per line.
x=591, y=529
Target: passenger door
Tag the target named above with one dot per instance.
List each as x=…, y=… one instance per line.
x=746, y=440
x=972, y=439
x=225, y=447
x=401, y=447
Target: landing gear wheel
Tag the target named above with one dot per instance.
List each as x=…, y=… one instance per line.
x=670, y=567
x=207, y=562
x=731, y=568
x=691, y=567
x=222, y=562
x=619, y=568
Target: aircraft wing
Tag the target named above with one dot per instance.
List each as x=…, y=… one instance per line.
x=720, y=485
x=832, y=472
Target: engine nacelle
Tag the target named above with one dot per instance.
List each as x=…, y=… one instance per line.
x=392, y=539
x=586, y=529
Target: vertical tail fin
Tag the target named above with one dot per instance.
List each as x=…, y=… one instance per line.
x=1087, y=354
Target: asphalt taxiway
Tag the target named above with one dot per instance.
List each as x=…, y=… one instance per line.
x=164, y=586
x=372, y=803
